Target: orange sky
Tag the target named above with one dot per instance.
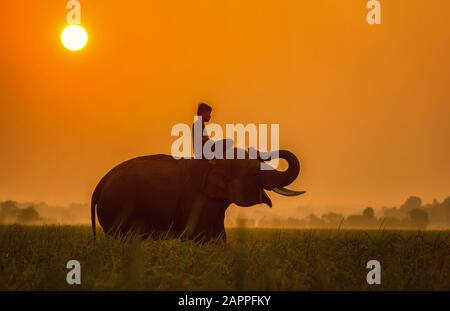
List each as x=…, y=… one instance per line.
x=366, y=108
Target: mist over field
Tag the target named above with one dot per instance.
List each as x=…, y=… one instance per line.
x=412, y=214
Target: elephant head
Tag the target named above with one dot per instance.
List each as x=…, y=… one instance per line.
x=243, y=182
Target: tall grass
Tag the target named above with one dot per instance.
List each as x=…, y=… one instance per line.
x=34, y=258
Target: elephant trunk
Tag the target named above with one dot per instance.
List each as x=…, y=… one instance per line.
x=271, y=179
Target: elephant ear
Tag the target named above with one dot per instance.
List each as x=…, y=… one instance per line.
x=216, y=183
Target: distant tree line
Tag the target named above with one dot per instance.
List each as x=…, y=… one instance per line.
x=410, y=215
x=42, y=213
x=10, y=212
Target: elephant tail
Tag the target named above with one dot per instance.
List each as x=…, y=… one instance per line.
x=96, y=197
x=94, y=202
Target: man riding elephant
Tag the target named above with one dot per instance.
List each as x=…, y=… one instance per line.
x=199, y=128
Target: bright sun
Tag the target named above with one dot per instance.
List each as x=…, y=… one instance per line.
x=74, y=37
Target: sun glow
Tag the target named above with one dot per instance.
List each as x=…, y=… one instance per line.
x=74, y=37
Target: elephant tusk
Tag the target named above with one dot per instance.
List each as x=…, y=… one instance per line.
x=287, y=192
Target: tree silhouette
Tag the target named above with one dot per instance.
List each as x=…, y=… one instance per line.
x=28, y=215
x=411, y=203
x=369, y=213
x=419, y=218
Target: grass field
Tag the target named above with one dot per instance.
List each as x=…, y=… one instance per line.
x=34, y=258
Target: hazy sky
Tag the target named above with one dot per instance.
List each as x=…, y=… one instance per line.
x=366, y=108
